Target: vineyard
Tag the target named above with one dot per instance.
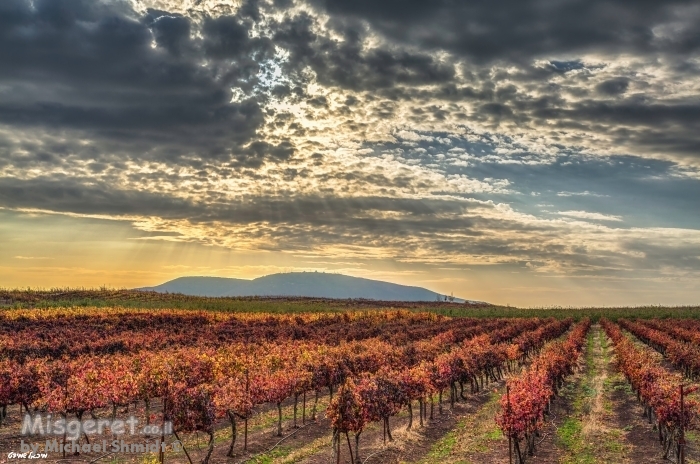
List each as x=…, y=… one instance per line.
x=71, y=297
x=351, y=386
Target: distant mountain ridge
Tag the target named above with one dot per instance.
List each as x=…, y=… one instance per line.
x=294, y=284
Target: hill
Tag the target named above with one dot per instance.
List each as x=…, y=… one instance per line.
x=298, y=284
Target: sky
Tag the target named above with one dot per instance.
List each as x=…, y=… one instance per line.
x=529, y=152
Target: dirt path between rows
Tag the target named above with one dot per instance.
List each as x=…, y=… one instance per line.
x=409, y=446
x=692, y=450
x=595, y=419
x=599, y=418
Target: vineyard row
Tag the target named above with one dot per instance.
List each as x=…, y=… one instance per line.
x=198, y=386
x=528, y=396
x=660, y=391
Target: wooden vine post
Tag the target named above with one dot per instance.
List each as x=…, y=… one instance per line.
x=510, y=438
x=681, y=439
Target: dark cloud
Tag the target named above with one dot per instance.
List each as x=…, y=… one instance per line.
x=318, y=102
x=84, y=196
x=171, y=31
x=613, y=87
x=636, y=124
x=90, y=67
x=257, y=152
x=296, y=222
x=228, y=37
x=517, y=31
x=96, y=88
x=682, y=256
x=446, y=229
x=75, y=195
x=495, y=109
x=650, y=114
x=346, y=63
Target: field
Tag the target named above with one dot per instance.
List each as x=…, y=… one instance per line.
x=318, y=381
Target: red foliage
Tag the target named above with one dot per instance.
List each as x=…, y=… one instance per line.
x=657, y=388
x=681, y=354
x=207, y=366
x=523, y=407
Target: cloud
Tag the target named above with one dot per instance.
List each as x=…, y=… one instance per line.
x=518, y=31
x=348, y=62
x=584, y=193
x=146, y=84
x=426, y=132
x=589, y=215
x=613, y=87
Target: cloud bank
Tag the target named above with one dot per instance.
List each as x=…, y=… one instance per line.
x=561, y=139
